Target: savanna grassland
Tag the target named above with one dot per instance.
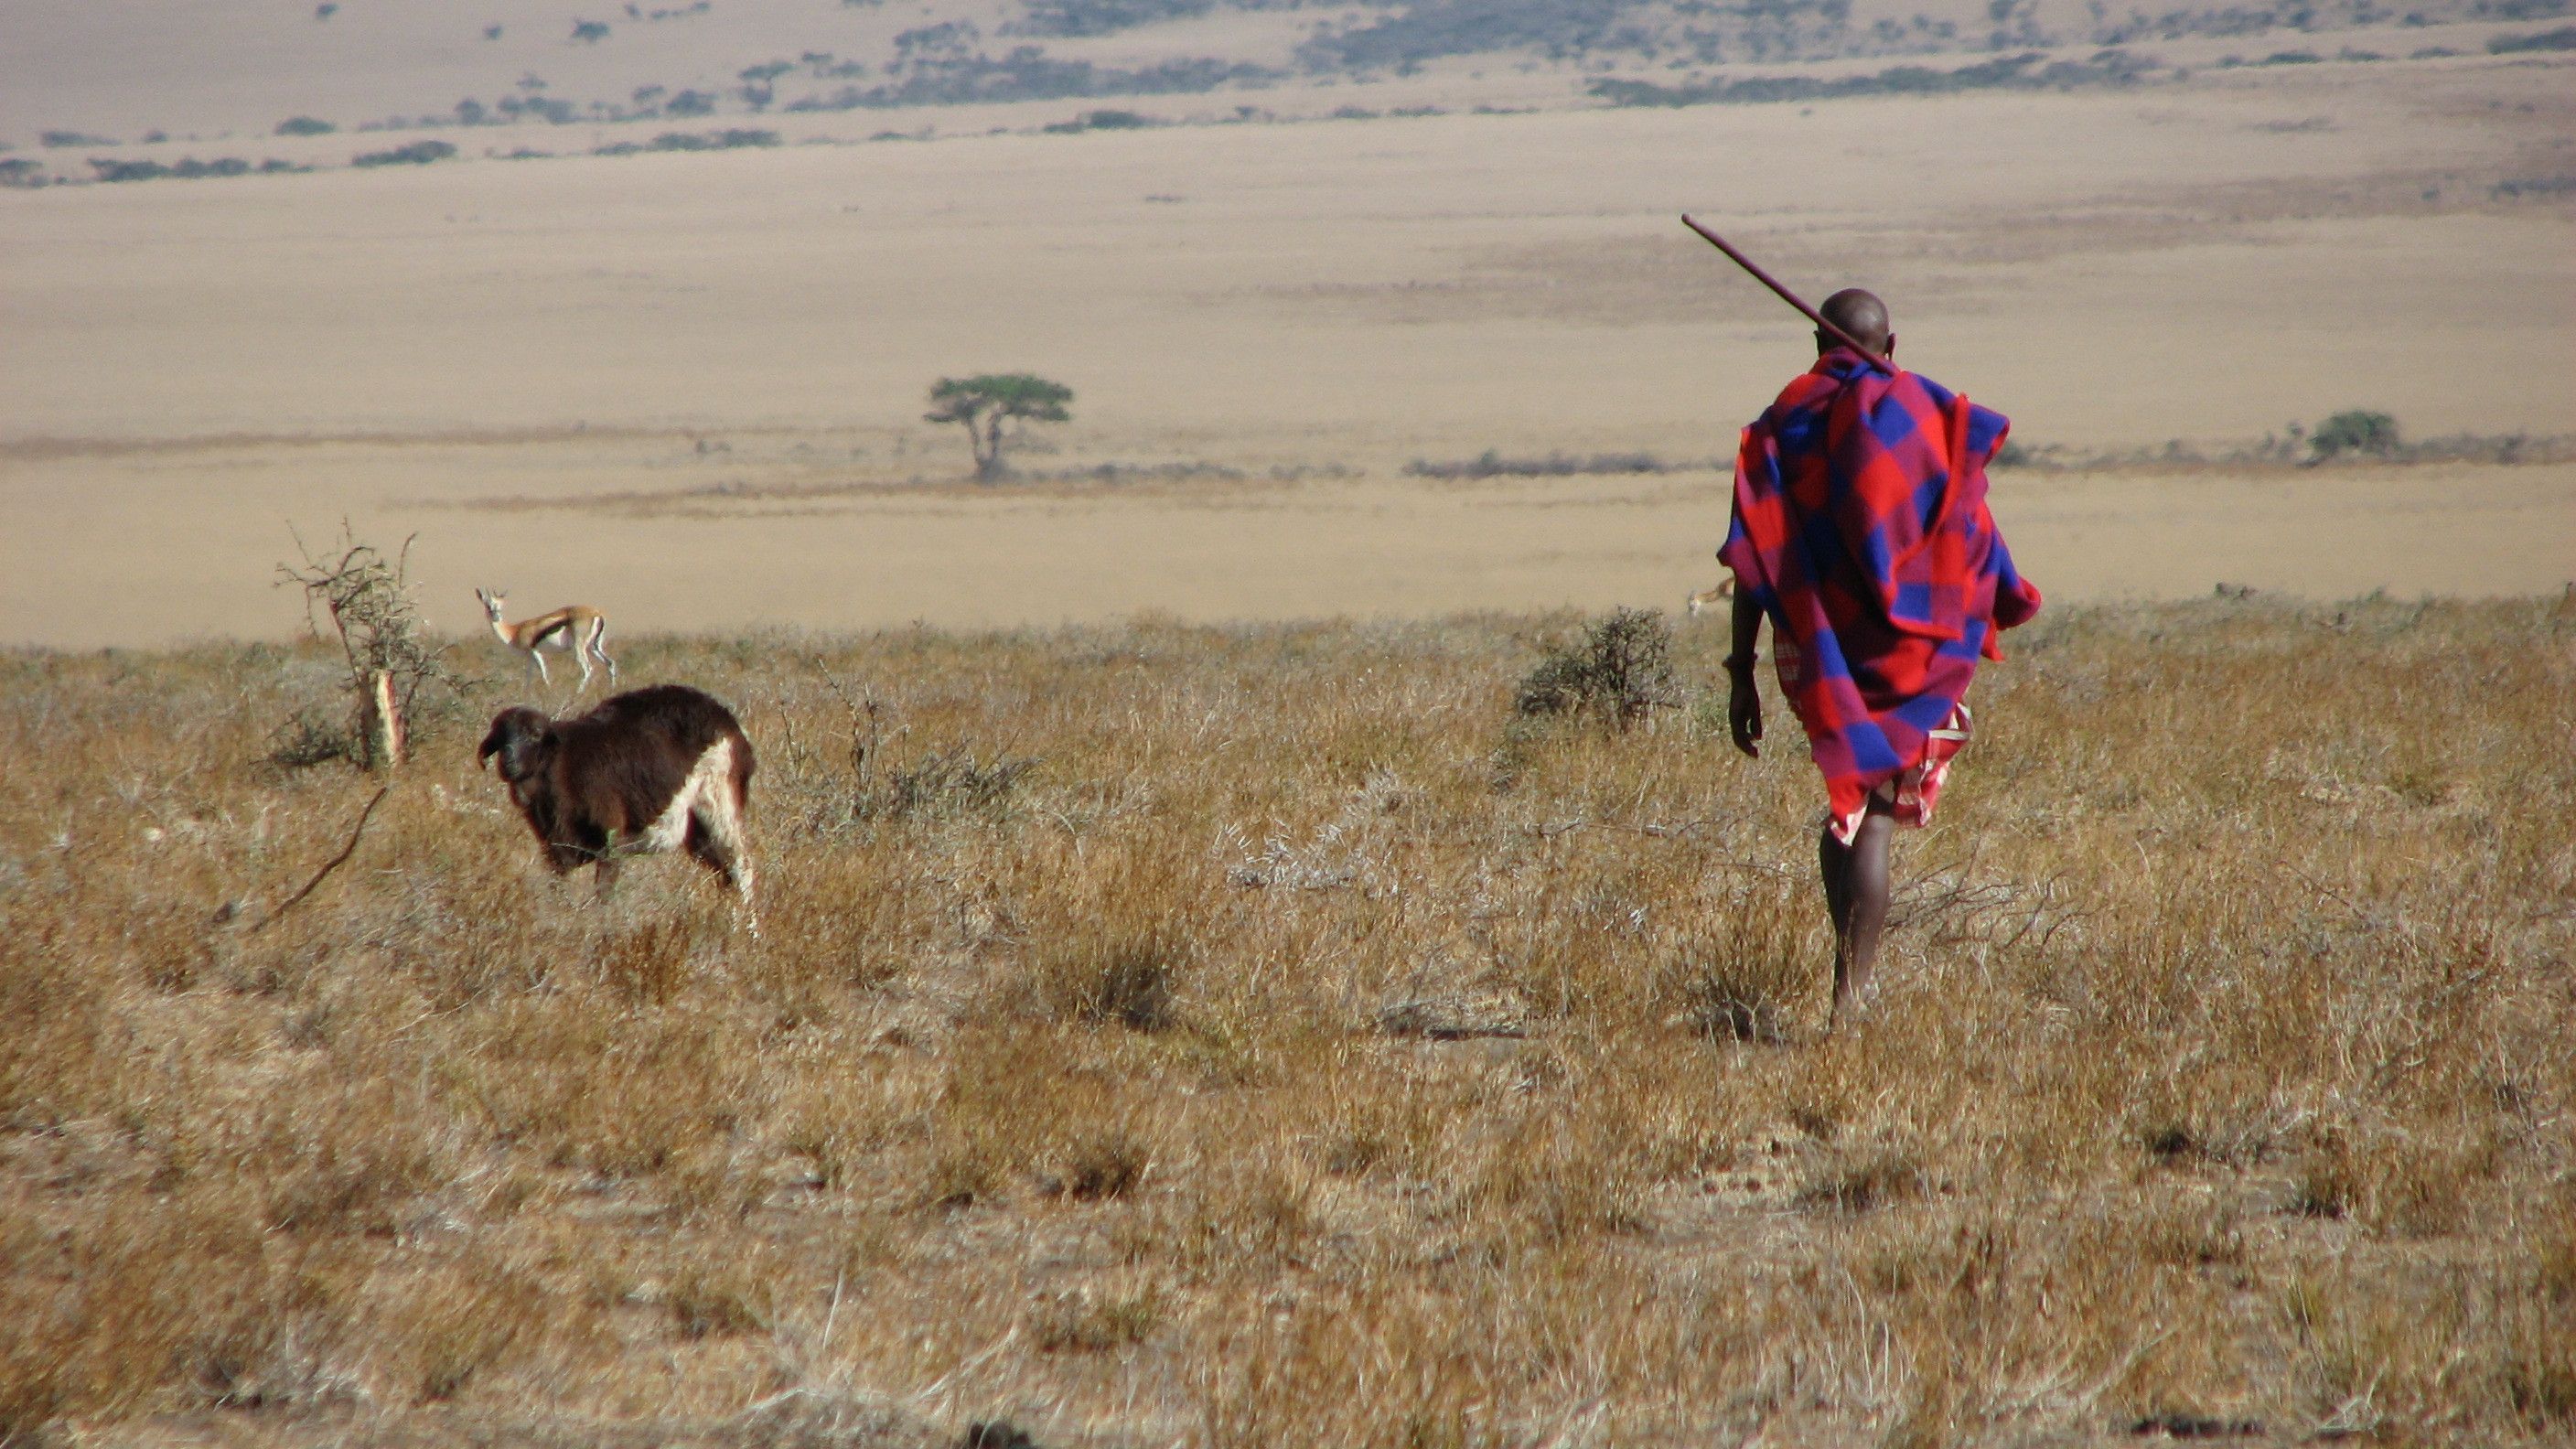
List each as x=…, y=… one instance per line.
x=1179, y=1022
x=1265, y=1035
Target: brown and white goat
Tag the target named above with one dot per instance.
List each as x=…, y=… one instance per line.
x=648, y=770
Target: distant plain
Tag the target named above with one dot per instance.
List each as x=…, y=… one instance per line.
x=1308, y=303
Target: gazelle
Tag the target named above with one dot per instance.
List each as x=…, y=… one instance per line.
x=576, y=627
x=1711, y=598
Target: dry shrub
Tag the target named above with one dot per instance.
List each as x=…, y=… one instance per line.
x=55, y=1057
x=1103, y=1163
x=722, y=1299
x=591, y=1082
x=1876, y=1178
x=447, y=1325
x=1098, y=1319
x=2328, y=1183
x=1619, y=672
x=1556, y=1178
x=2537, y=1315
x=944, y=784
x=1741, y=976
x=647, y=961
x=1000, y=1112
x=1120, y=941
x=99, y=1321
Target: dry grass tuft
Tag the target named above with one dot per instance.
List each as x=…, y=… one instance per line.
x=1286, y=1063
x=1875, y=1179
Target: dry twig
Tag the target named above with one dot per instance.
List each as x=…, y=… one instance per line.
x=329, y=866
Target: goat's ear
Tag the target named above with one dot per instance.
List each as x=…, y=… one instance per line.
x=519, y=737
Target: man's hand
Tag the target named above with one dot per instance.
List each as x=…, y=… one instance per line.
x=1744, y=712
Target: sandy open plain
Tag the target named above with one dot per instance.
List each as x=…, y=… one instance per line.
x=688, y=387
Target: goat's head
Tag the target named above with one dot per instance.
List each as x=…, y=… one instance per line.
x=521, y=737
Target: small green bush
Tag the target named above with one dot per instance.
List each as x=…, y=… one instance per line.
x=2356, y=430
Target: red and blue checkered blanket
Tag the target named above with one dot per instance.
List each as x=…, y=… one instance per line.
x=1861, y=529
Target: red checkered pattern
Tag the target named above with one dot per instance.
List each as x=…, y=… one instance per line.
x=1861, y=529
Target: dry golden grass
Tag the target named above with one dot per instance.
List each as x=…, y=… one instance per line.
x=1304, y=1052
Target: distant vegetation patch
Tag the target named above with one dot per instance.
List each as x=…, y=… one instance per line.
x=418, y=153
x=1071, y=18
x=2024, y=71
x=2355, y=434
x=2563, y=38
x=190, y=169
x=1103, y=121
x=74, y=138
x=305, y=126
x=2358, y=430
x=2534, y=187
x=1430, y=30
x=1028, y=73
x=1491, y=464
x=726, y=140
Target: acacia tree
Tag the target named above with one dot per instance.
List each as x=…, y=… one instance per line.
x=984, y=402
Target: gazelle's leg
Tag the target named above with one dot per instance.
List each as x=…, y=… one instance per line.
x=582, y=659
x=537, y=657
x=599, y=647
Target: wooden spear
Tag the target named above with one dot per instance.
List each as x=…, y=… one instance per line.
x=1792, y=298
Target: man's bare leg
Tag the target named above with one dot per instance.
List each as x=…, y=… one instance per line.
x=1856, y=882
x=1833, y=863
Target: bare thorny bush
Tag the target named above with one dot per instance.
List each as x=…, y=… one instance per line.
x=1269, y=1069
x=1618, y=672
x=367, y=600
x=937, y=782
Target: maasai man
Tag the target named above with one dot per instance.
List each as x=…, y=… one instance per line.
x=1861, y=530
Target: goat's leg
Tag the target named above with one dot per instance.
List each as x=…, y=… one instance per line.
x=715, y=838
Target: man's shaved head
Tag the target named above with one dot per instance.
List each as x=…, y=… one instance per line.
x=1863, y=316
